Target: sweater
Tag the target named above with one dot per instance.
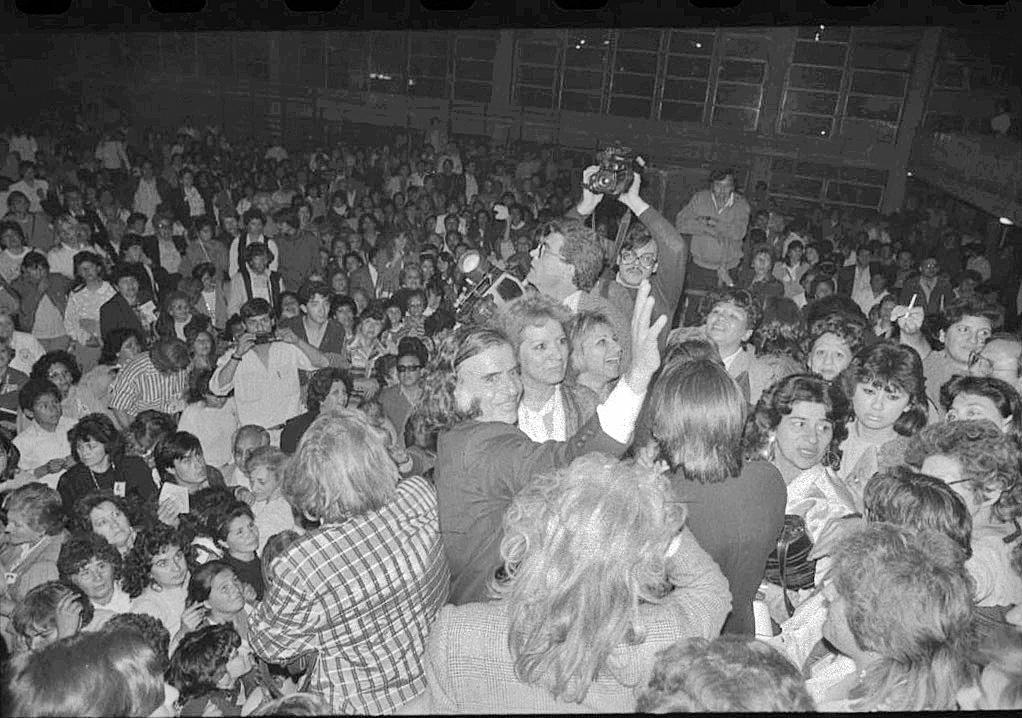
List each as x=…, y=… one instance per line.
x=720, y=246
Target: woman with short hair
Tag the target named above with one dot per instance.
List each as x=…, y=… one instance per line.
x=984, y=397
x=342, y=476
x=34, y=533
x=49, y=612
x=601, y=573
x=736, y=508
x=832, y=342
x=899, y=606
x=89, y=562
x=596, y=353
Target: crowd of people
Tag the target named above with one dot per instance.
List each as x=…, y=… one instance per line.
x=276, y=440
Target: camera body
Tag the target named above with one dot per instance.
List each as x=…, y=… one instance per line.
x=483, y=283
x=614, y=176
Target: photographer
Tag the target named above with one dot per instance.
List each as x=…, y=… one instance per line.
x=652, y=250
x=263, y=369
x=717, y=219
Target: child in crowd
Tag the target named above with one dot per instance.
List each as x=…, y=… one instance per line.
x=272, y=512
x=212, y=418
x=44, y=447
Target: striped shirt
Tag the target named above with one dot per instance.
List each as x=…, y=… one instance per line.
x=140, y=386
x=364, y=594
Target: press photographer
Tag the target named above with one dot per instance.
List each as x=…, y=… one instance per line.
x=652, y=249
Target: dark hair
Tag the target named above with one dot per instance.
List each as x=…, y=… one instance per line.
x=38, y=607
x=255, y=307
x=137, y=515
x=34, y=259
x=887, y=364
x=969, y=307
x=169, y=355
x=123, y=270
x=101, y=428
x=201, y=582
x=1002, y=394
x=310, y=289
x=719, y=173
x=42, y=366
x=203, y=269
x=780, y=331
x=33, y=389
x=149, y=543
x=777, y=402
x=174, y=447
x=340, y=300
x=198, y=384
x=698, y=413
x=898, y=495
x=741, y=298
x=413, y=346
x=114, y=339
x=12, y=453
x=200, y=658
x=851, y=329
x=149, y=628
x=85, y=256
x=219, y=521
x=257, y=249
x=253, y=213
x=149, y=426
x=81, y=548
x=320, y=384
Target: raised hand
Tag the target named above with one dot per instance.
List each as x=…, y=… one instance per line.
x=589, y=199
x=645, y=350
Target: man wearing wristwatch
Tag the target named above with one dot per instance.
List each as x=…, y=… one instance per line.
x=263, y=370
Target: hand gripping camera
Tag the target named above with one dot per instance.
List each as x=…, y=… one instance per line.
x=614, y=176
x=481, y=281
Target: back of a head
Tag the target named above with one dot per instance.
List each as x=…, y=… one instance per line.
x=698, y=417
x=726, y=675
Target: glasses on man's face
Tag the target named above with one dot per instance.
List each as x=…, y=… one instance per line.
x=645, y=260
x=405, y=368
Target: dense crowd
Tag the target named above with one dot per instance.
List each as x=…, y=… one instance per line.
x=437, y=426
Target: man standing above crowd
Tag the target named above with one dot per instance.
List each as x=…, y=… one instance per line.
x=717, y=219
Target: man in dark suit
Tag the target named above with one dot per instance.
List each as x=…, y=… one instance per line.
x=122, y=309
x=153, y=281
x=315, y=326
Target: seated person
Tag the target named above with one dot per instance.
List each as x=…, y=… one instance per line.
x=89, y=562
x=49, y=612
x=44, y=446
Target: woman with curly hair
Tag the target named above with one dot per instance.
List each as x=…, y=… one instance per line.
x=156, y=575
x=206, y=668
x=731, y=318
x=76, y=399
x=798, y=426
x=982, y=465
x=89, y=562
x=885, y=385
x=601, y=573
x=832, y=342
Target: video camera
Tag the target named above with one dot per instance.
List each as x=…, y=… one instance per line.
x=481, y=281
x=617, y=163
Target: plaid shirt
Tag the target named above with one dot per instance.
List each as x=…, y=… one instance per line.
x=364, y=594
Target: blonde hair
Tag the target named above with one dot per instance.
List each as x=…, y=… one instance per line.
x=340, y=469
x=529, y=310
x=582, y=547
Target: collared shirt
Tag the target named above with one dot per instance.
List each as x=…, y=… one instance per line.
x=363, y=593
x=267, y=394
x=139, y=386
x=546, y=423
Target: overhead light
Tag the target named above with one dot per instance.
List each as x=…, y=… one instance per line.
x=909, y=173
x=1005, y=221
x=699, y=46
x=823, y=132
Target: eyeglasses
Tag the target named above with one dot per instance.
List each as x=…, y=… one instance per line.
x=644, y=260
x=405, y=368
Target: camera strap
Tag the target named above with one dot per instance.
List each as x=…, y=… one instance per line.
x=622, y=232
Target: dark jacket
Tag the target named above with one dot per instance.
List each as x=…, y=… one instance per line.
x=480, y=467
x=131, y=471
x=845, y=277
x=942, y=295
x=116, y=313
x=28, y=291
x=294, y=429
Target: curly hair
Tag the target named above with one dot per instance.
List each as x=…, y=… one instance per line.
x=81, y=548
x=583, y=547
x=42, y=366
x=529, y=310
x=581, y=249
x=439, y=384
x=741, y=298
x=989, y=460
x=1003, y=396
x=849, y=328
x=725, y=675
x=776, y=403
x=147, y=627
x=891, y=366
x=908, y=599
x=139, y=513
x=903, y=497
x=100, y=428
x=200, y=658
x=781, y=331
x=150, y=543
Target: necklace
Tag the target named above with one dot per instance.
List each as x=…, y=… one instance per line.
x=92, y=473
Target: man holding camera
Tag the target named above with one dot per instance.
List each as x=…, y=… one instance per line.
x=652, y=250
x=717, y=219
x=263, y=369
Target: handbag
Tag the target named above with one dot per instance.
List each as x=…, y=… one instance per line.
x=788, y=565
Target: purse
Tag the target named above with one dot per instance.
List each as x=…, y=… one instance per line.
x=788, y=565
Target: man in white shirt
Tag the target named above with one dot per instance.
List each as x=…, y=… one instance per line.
x=61, y=257
x=147, y=195
x=263, y=370
x=34, y=189
x=254, y=221
x=27, y=348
